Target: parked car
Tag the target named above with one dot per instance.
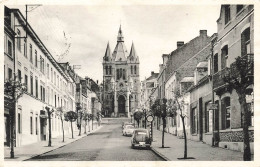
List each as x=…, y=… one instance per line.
x=140, y=138
x=128, y=130
x=126, y=123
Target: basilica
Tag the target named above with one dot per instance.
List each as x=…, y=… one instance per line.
x=121, y=93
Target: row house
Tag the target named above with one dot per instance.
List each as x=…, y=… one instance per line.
x=198, y=67
x=235, y=37
x=181, y=73
x=47, y=84
x=148, y=86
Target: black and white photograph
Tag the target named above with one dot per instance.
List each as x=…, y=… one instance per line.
x=128, y=82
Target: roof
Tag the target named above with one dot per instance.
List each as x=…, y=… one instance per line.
x=120, y=52
x=154, y=76
x=202, y=65
x=132, y=51
x=188, y=79
x=107, y=54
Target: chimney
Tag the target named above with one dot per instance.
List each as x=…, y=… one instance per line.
x=203, y=32
x=165, y=58
x=152, y=73
x=179, y=44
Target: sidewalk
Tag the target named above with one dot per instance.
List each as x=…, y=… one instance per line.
x=28, y=151
x=197, y=150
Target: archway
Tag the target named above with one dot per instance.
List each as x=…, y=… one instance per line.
x=121, y=105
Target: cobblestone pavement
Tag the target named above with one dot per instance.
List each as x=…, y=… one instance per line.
x=106, y=144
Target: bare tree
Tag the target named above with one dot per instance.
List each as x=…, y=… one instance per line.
x=239, y=76
x=178, y=104
x=138, y=116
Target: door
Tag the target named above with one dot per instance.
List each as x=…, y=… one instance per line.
x=200, y=120
x=43, y=128
x=7, y=130
x=121, y=105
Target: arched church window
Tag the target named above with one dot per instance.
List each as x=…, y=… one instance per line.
x=135, y=69
x=123, y=74
x=106, y=70
x=110, y=70
x=117, y=73
x=131, y=69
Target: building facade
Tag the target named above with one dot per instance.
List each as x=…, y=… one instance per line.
x=121, y=83
x=235, y=37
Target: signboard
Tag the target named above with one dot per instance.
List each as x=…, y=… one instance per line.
x=149, y=118
x=213, y=106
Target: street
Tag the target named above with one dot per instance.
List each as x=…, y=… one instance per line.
x=107, y=144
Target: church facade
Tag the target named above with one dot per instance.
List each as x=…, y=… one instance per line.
x=121, y=83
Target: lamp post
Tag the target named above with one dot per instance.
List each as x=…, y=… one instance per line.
x=144, y=111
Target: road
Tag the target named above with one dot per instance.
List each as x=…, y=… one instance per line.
x=106, y=144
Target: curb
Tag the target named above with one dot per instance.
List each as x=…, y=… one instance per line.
x=160, y=154
x=33, y=156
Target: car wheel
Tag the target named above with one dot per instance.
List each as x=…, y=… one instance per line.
x=133, y=146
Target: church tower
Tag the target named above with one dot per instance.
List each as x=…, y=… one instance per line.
x=121, y=80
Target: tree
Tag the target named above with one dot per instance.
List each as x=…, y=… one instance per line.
x=138, y=116
x=80, y=116
x=49, y=118
x=85, y=118
x=178, y=104
x=156, y=111
x=13, y=90
x=72, y=117
x=60, y=113
x=239, y=76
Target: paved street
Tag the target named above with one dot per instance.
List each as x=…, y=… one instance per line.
x=106, y=144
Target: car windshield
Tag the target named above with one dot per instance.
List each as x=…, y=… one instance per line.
x=129, y=127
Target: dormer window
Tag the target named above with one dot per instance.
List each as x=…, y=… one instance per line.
x=227, y=13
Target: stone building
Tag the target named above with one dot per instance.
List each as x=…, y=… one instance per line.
x=47, y=84
x=235, y=37
x=121, y=83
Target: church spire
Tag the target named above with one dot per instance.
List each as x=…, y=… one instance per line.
x=120, y=37
x=107, y=54
x=132, y=51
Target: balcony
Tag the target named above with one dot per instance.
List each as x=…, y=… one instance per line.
x=247, y=61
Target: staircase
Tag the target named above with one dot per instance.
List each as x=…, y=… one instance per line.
x=115, y=120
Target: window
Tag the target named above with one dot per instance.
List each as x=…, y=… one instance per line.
x=31, y=85
x=10, y=73
x=36, y=60
x=31, y=56
x=58, y=84
x=106, y=70
x=54, y=78
x=55, y=100
x=131, y=69
x=36, y=125
x=227, y=13
x=215, y=63
x=43, y=95
x=245, y=42
x=224, y=56
x=135, y=70
x=51, y=75
x=24, y=48
x=19, y=123
x=117, y=74
x=120, y=73
x=194, y=120
x=239, y=8
x=110, y=70
x=123, y=74
x=19, y=76
x=225, y=106
x=36, y=87
x=48, y=72
x=31, y=124
x=18, y=40
x=9, y=48
x=26, y=81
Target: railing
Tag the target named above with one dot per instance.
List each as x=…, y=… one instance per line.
x=234, y=71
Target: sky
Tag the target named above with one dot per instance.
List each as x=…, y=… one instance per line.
x=81, y=33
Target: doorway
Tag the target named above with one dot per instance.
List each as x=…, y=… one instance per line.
x=121, y=105
x=43, y=128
